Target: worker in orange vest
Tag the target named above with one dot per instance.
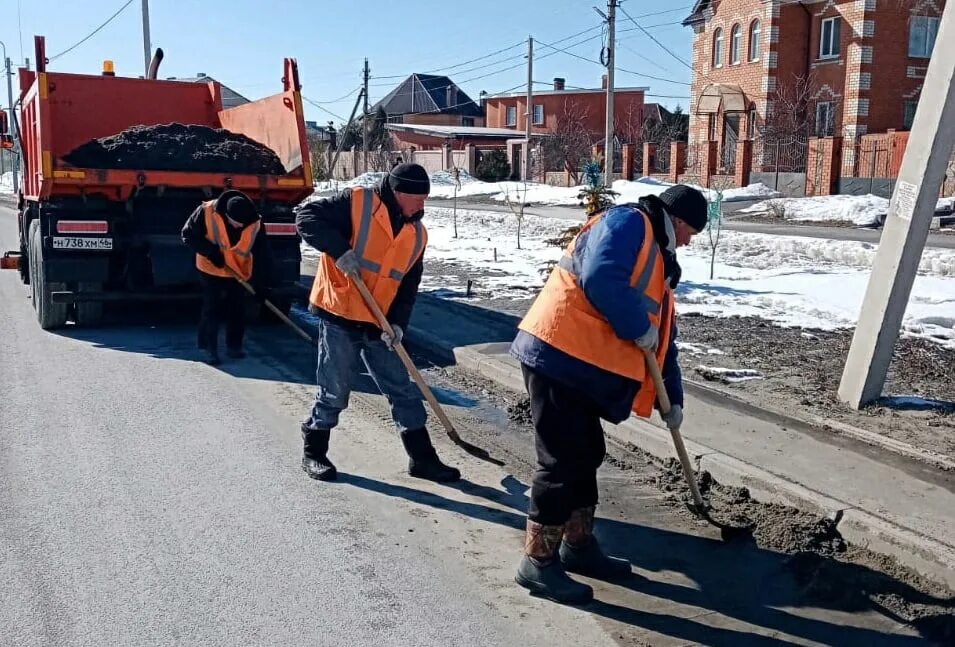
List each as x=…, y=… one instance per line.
x=581, y=347
x=376, y=233
x=229, y=240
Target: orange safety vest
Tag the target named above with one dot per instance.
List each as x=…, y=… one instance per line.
x=384, y=259
x=238, y=257
x=562, y=317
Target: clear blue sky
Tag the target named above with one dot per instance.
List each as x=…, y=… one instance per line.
x=242, y=42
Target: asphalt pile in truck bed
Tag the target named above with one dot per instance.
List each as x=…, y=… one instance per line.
x=177, y=147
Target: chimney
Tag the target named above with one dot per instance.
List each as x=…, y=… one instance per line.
x=603, y=82
x=200, y=75
x=558, y=83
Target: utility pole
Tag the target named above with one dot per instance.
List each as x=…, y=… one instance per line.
x=364, y=120
x=13, y=120
x=906, y=226
x=611, y=48
x=530, y=107
x=147, y=46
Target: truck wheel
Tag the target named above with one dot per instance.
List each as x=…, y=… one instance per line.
x=50, y=315
x=89, y=313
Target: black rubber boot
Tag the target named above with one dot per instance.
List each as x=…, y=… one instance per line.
x=314, y=455
x=541, y=573
x=423, y=460
x=580, y=551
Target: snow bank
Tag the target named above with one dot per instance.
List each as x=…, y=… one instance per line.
x=6, y=182
x=860, y=210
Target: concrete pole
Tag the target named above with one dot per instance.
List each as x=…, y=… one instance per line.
x=611, y=47
x=529, y=125
x=906, y=226
x=147, y=45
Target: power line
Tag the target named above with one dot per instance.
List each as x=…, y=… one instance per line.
x=651, y=37
x=92, y=33
x=322, y=108
x=617, y=68
x=341, y=98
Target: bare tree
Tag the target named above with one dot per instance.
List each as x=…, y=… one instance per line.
x=714, y=225
x=516, y=206
x=456, y=176
x=569, y=144
x=794, y=109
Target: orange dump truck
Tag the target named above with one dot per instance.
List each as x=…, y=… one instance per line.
x=92, y=235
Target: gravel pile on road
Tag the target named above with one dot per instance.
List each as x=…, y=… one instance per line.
x=177, y=147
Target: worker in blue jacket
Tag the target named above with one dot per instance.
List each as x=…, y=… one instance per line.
x=582, y=347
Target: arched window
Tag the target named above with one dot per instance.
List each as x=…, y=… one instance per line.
x=755, y=31
x=718, y=48
x=736, y=44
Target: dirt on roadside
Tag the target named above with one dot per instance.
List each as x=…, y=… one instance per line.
x=177, y=147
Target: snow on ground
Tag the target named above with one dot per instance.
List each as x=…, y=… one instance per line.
x=788, y=280
x=443, y=187
x=860, y=210
x=728, y=375
x=6, y=182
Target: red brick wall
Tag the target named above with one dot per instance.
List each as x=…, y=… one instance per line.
x=592, y=104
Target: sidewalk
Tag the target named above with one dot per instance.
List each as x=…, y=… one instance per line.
x=889, y=503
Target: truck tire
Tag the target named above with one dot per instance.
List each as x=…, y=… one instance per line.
x=89, y=313
x=50, y=315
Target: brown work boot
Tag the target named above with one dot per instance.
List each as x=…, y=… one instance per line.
x=580, y=551
x=541, y=572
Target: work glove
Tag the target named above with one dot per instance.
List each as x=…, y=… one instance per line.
x=348, y=263
x=649, y=340
x=674, y=418
x=391, y=341
x=216, y=257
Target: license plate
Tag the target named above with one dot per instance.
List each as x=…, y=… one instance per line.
x=60, y=242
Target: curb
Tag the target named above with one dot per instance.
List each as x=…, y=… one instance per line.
x=924, y=555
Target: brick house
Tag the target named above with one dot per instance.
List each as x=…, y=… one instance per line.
x=509, y=110
x=844, y=68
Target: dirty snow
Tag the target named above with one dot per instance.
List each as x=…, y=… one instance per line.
x=860, y=210
x=6, y=182
x=728, y=375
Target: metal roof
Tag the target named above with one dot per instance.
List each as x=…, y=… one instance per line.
x=452, y=132
x=428, y=93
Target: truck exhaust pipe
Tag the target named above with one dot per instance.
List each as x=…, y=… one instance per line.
x=154, y=64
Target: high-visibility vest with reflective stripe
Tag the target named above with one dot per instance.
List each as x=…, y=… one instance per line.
x=384, y=259
x=562, y=317
x=238, y=257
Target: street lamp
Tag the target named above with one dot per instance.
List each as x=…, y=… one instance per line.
x=13, y=119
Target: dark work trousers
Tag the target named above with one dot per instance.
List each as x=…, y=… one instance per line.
x=223, y=300
x=570, y=448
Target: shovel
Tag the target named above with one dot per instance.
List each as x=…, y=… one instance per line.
x=369, y=300
x=700, y=507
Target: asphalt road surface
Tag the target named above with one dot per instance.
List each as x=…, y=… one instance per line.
x=149, y=499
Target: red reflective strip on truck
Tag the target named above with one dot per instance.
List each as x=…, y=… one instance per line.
x=280, y=229
x=82, y=227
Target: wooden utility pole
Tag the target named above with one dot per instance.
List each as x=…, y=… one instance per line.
x=906, y=226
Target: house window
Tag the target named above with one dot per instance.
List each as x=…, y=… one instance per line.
x=909, y=115
x=922, y=33
x=718, y=48
x=755, y=30
x=467, y=121
x=538, y=114
x=829, y=38
x=712, y=128
x=736, y=44
x=511, y=116
x=751, y=123
x=825, y=119
x=396, y=119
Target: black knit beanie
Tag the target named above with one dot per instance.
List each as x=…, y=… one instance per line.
x=241, y=209
x=687, y=204
x=409, y=178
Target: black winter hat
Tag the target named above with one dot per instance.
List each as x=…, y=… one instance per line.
x=241, y=209
x=687, y=204
x=409, y=178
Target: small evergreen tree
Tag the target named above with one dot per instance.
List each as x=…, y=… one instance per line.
x=493, y=166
